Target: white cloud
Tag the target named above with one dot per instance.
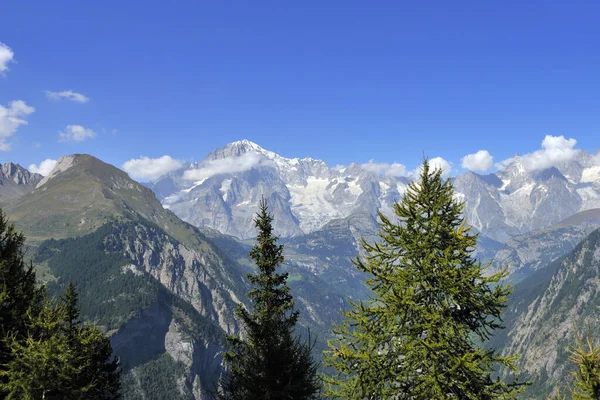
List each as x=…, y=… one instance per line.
x=478, y=162
x=440, y=163
x=555, y=150
x=76, y=133
x=67, y=95
x=434, y=163
x=228, y=165
x=6, y=57
x=10, y=120
x=44, y=168
x=151, y=168
x=394, y=169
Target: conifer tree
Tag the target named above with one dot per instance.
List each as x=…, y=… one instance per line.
x=45, y=351
x=60, y=358
x=586, y=358
x=18, y=293
x=269, y=362
x=99, y=370
x=70, y=300
x=416, y=337
x=41, y=366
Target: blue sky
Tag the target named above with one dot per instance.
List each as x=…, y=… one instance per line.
x=340, y=81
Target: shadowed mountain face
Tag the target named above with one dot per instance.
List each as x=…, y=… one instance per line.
x=222, y=192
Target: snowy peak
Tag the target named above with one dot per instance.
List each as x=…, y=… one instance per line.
x=239, y=148
x=223, y=191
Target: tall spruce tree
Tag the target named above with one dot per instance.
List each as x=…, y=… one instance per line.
x=416, y=338
x=270, y=362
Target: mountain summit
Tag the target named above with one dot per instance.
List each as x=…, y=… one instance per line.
x=222, y=192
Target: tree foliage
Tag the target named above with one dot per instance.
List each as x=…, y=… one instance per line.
x=270, y=362
x=18, y=293
x=585, y=356
x=416, y=338
x=46, y=352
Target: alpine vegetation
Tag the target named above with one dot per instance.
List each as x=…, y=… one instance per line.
x=417, y=336
x=269, y=362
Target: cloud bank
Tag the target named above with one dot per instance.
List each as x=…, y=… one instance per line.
x=229, y=165
x=480, y=161
x=394, y=169
x=44, y=168
x=67, y=95
x=146, y=168
x=11, y=118
x=6, y=57
x=76, y=133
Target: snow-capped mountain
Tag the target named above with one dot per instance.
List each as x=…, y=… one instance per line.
x=223, y=192
x=514, y=200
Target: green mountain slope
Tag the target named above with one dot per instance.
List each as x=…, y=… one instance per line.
x=162, y=291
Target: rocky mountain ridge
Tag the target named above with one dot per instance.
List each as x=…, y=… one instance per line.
x=15, y=181
x=222, y=192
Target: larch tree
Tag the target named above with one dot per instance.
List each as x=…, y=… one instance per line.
x=417, y=336
x=270, y=362
x=585, y=356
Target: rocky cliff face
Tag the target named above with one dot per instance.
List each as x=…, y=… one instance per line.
x=546, y=308
x=198, y=276
x=156, y=333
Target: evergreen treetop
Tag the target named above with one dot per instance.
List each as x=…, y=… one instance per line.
x=415, y=338
x=269, y=362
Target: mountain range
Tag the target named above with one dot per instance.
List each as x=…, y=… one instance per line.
x=222, y=192
x=163, y=290
x=160, y=267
